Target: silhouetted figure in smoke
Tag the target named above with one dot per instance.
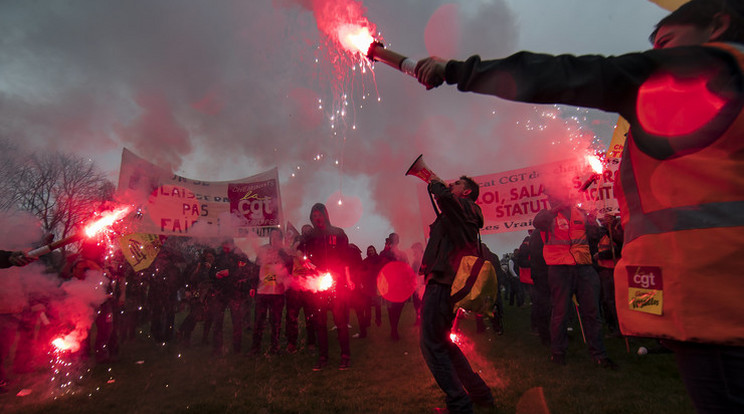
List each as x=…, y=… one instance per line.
x=275, y=267
x=541, y=289
x=299, y=298
x=418, y=253
x=164, y=280
x=608, y=254
x=199, y=290
x=327, y=248
x=371, y=266
x=358, y=299
x=497, y=321
x=392, y=253
x=231, y=283
x=135, y=307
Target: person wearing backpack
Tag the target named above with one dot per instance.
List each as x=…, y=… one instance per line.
x=453, y=234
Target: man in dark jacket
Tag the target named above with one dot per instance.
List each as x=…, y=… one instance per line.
x=232, y=281
x=327, y=248
x=371, y=266
x=453, y=235
x=541, y=289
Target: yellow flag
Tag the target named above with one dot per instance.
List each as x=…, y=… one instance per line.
x=670, y=5
x=140, y=249
x=617, y=143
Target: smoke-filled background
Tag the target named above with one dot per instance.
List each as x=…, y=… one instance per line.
x=224, y=90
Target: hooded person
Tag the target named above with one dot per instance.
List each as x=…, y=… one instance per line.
x=327, y=248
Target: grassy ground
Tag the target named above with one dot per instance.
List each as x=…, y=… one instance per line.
x=386, y=377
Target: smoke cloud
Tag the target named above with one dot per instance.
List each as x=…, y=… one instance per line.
x=71, y=305
x=225, y=90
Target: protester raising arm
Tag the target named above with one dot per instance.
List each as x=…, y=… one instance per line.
x=680, y=183
x=607, y=83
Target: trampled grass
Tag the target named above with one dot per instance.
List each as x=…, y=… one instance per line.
x=385, y=377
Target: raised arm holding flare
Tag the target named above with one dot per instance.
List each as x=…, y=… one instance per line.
x=681, y=181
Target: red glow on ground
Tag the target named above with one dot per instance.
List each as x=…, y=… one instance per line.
x=669, y=106
x=455, y=338
x=396, y=282
x=107, y=219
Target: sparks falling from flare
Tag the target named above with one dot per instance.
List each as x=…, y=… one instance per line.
x=91, y=230
x=344, y=23
x=107, y=219
x=347, y=34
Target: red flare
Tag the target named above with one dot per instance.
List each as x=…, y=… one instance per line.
x=107, y=219
x=67, y=343
x=355, y=38
x=595, y=163
x=318, y=283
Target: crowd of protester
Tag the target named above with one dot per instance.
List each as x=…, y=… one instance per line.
x=203, y=283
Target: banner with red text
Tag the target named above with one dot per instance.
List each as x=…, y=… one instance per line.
x=511, y=199
x=175, y=205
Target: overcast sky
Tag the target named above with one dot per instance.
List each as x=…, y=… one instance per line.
x=220, y=90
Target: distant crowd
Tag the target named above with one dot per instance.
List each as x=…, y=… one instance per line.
x=280, y=285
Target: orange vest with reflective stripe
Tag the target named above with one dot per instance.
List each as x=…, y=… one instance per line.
x=566, y=242
x=605, y=246
x=681, y=274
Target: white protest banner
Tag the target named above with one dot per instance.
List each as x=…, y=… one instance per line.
x=175, y=205
x=511, y=199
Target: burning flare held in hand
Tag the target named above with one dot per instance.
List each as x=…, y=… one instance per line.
x=344, y=23
x=107, y=219
x=358, y=39
x=66, y=343
x=318, y=283
x=596, y=164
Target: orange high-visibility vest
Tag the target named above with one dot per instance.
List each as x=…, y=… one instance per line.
x=681, y=275
x=605, y=246
x=566, y=242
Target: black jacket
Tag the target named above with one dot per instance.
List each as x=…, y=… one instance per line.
x=453, y=234
x=327, y=249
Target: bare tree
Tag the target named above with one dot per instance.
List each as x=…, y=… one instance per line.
x=62, y=190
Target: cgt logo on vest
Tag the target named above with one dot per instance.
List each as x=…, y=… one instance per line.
x=645, y=289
